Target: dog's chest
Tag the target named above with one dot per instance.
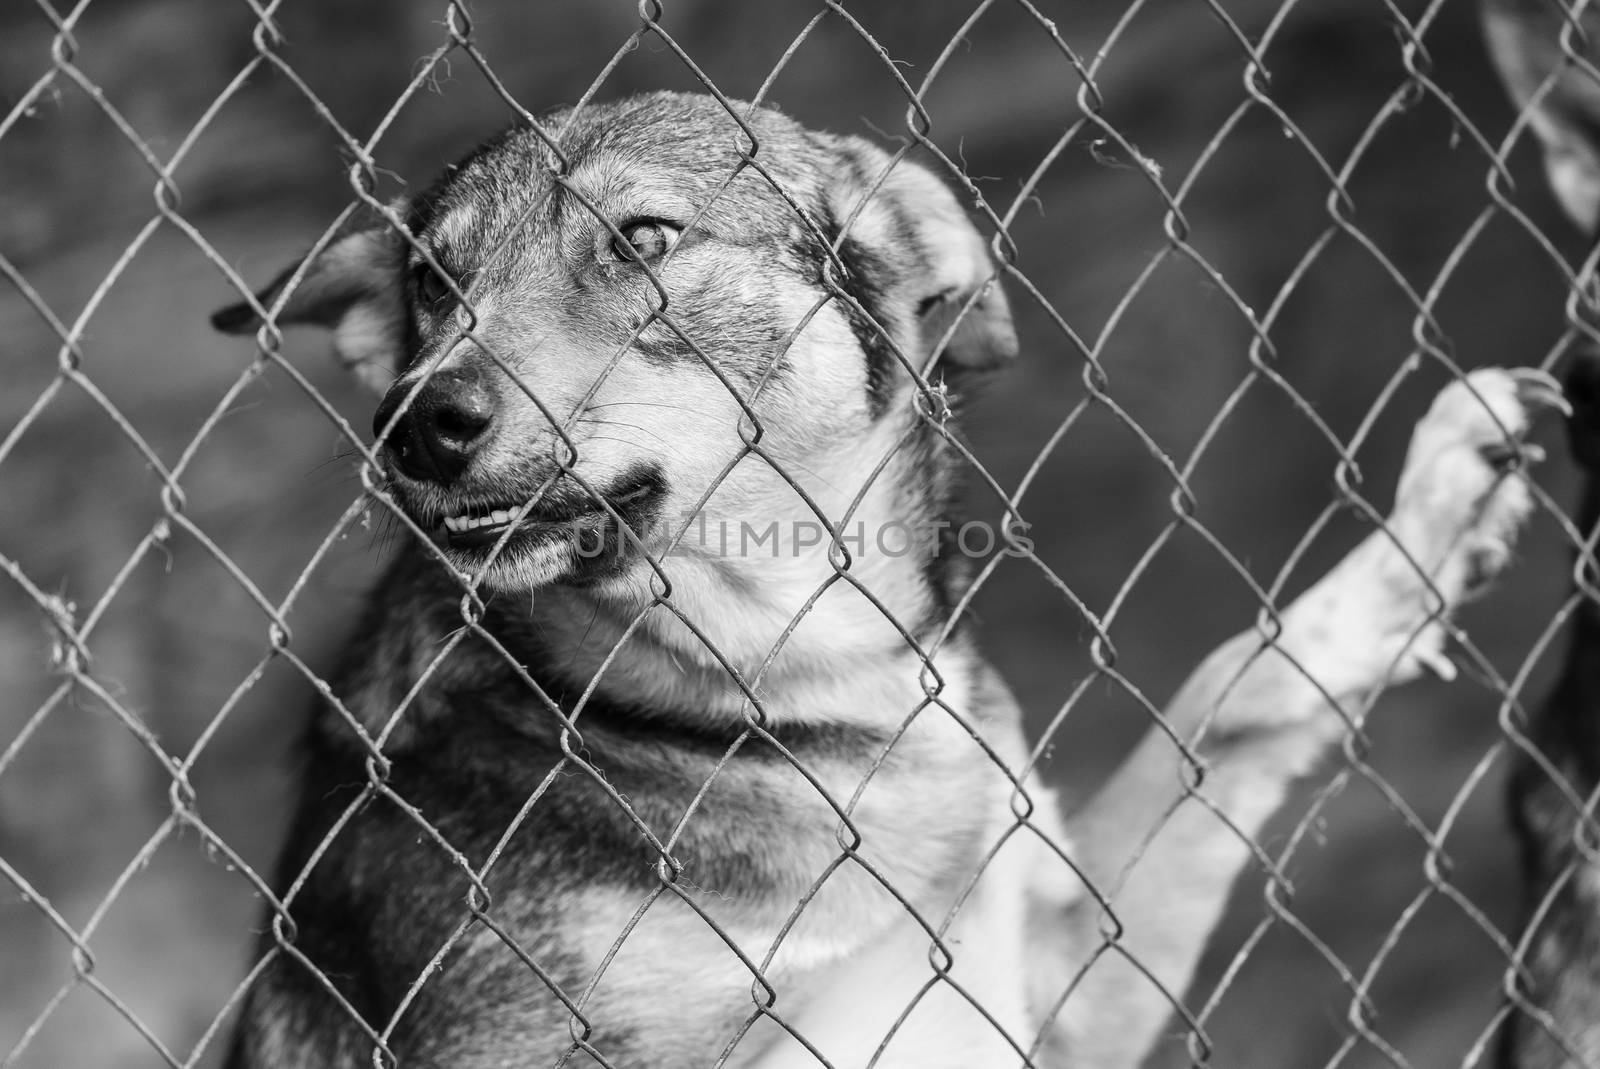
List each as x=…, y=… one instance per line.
x=778, y=889
x=672, y=974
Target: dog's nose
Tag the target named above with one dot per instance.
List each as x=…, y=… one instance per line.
x=448, y=421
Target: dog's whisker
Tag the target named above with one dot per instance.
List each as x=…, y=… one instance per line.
x=638, y=404
x=631, y=427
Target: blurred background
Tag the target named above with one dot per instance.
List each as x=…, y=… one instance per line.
x=182, y=659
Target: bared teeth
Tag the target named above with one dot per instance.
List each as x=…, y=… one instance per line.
x=459, y=524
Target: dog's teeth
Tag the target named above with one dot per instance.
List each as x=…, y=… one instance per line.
x=458, y=524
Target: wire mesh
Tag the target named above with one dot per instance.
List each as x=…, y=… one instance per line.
x=1242, y=240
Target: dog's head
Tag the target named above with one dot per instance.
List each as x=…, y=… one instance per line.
x=637, y=322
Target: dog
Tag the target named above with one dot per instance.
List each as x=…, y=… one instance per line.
x=593, y=787
x=1554, y=1012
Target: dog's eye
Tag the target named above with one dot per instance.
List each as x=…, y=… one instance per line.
x=432, y=288
x=644, y=239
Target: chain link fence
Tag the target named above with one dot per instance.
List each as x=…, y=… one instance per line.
x=1246, y=240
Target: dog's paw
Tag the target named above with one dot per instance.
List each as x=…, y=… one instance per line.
x=1463, y=496
x=1380, y=617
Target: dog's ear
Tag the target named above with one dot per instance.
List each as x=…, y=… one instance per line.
x=1525, y=40
x=353, y=288
x=904, y=227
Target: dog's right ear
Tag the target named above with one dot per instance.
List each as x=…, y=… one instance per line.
x=1524, y=38
x=353, y=288
x=908, y=231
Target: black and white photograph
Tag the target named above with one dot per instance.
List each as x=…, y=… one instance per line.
x=800, y=534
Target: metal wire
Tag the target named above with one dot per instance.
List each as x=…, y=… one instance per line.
x=1271, y=925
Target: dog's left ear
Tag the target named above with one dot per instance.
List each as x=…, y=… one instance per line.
x=905, y=230
x=353, y=288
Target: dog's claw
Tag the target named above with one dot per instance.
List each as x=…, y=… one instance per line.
x=1434, y=660
x=1539, y=389
x=1536, y=391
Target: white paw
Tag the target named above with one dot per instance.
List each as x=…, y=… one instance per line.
x=1462, y=498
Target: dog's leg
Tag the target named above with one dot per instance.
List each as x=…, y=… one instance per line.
x=1554, y=1025
x=1259, y=715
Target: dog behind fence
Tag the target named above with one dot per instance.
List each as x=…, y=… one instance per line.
x=1233, y=235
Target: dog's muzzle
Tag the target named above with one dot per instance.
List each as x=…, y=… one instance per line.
x=451, y=419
